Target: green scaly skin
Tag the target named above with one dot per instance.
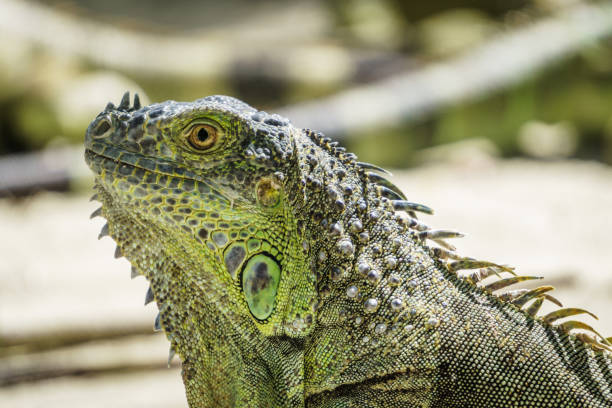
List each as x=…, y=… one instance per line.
x=288, y=275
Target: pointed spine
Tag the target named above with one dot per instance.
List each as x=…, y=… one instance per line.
x=96, y=213
x=149, y=296
x=402, y=205
x=481, y=274
x=591, y=341
x=470, y=263
x=388, y=193
x=445, y=244
x=380, y=180
x=492, y=287
x=531, y=294
x=125, y=102
x=171, y=354
x=370, y=166
x=553, y=299
x=575, y=324
x=104, y=231
x=511, y=295
x=441, y=253
x=570, y=311
x=439, y=234
x=535, y=307
x=136, y=105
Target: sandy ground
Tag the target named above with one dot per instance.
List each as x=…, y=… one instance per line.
x=548, y=219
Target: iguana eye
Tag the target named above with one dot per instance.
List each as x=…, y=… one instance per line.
x=202, y=136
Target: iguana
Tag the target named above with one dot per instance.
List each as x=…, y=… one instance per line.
x=289, y=274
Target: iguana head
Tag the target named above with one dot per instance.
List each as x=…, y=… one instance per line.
x=197, y=198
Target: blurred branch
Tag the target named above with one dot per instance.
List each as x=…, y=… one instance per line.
x=242, y=49
x=53, y=169
x=126, y=353
x=501, y=62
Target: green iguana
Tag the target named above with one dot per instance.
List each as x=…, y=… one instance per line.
x=288, y=274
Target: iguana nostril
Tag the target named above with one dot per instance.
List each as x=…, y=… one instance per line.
x=101, y=128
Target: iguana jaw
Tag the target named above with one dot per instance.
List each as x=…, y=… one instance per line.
x=222, y=364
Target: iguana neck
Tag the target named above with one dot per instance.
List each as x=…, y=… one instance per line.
x=390, y=305
x=350, y=233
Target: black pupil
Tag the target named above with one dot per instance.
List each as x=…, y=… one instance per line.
x=203, y=135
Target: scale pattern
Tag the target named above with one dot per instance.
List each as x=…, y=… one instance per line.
x=288, y=274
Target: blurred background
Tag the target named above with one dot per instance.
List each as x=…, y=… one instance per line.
x=497, y=113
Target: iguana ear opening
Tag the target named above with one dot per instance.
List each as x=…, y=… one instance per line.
x=268, y=191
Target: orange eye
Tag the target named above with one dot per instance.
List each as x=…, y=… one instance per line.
x=202, y=136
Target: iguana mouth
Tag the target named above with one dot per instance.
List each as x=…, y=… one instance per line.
x=135, y=168
x=136, y=160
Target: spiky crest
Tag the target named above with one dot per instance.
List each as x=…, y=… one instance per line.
x=386, y=190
